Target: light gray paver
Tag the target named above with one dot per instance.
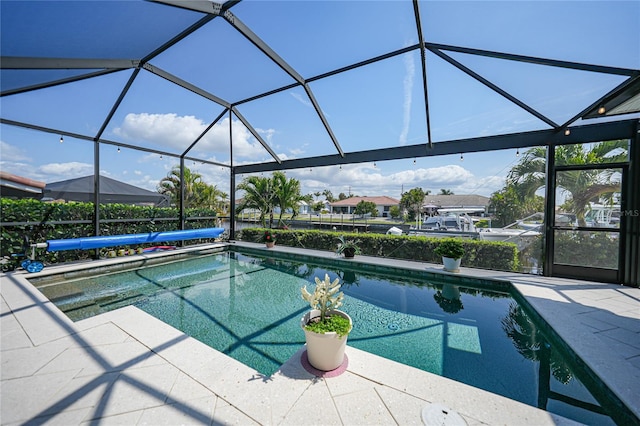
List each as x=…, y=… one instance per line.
x=198, y=410
x=404, y=408
x=369, y=410
x=324, y=410
x=27, y=397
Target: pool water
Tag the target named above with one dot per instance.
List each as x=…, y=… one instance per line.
x=249, y=307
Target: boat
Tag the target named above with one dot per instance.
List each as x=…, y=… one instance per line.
x=457, y=222
x=522, y=237
x=602, y=216
x=533, y=222
x=451, y=222
x=394, y=230
x=596, y=216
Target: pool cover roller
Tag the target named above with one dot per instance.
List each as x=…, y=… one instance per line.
x=87, y=243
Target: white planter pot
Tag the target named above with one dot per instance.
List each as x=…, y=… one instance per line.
x=450, y=292
x=451, y=265
x=325, y=351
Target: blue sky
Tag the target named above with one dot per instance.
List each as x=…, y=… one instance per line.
x=377, y=106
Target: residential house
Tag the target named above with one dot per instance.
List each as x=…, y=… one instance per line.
x=13, y=186
x=348, y=205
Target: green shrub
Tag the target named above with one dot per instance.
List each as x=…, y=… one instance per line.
x=499, y=256
x=451, y=248
x=53, y=221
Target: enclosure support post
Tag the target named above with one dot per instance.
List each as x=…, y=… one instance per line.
x=96, y=193
x=549, y=210
x=232, y=206
x=181, y=212
x=631, y=214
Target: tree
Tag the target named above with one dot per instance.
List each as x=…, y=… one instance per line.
x=581, y=186
x=258, y=195
x=328, y=195
x=509, y=206
x=446, y=192
x=364, y=207
x=394, y=212
x=170, y=185
x=287, y=194
x=531, y=343
x=196, y=192
x=211, y=197
x=342, y=196
x=412, y=201
x=264, y=194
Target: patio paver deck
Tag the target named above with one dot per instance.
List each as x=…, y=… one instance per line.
x=126, y=367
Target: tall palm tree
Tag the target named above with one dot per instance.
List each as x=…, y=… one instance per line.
x=582, y=186
x=531, y=343
x=259, y=195
x=211, y=197
x=170, y=185
x=287, y=193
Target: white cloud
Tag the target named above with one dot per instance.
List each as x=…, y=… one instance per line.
x=62, y=171
x=245, y=145
x=167, y=130
x=304, y=101
x=18, y=169
x=175, y=133
x=16, y=161
x=12, y=153
x=410, y=70
x=267, y=134
x=365, y=179
x=297, y=152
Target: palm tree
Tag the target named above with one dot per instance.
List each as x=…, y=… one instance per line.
x=328, y=195
x=170, y=185
x=259, y=195
x=582, y=186
x=531, y=343
x=287, y=193
x=211, y=197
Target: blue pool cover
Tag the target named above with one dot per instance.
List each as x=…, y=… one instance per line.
x=87, y=243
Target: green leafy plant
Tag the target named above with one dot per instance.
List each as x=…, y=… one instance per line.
x=348, y=245
x=451, y=306
x=268, y=236
x=48, y=221
x=326, y=297
x=450, y=248
x=496, y=255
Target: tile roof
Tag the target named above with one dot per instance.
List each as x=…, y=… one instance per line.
x=470, y=200
x=378, y=201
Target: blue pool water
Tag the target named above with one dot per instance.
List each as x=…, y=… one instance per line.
x=249, y=307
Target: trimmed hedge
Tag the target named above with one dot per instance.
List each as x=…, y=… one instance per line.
x=497, y=256
x=140, y=219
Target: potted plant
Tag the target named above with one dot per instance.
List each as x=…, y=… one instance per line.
x=325, y=327
x=449, y=298
x=451, y=251
x=348, y=247
x=269, y=238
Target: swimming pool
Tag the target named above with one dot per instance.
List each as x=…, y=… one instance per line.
x=249, y=306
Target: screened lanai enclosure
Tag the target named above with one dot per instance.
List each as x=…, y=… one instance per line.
x=369, y=98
